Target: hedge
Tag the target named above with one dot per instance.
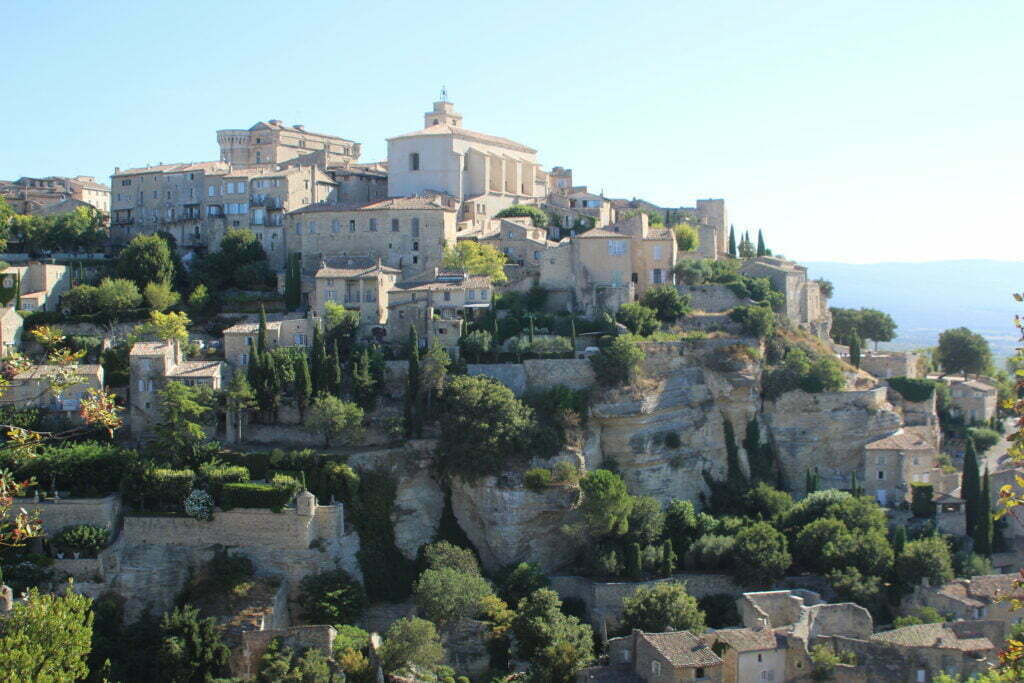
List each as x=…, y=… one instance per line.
x=921, y=500
x=158, y=488
x=86, y=469
x=914, y=390
x=273, y=496
x=213, y=477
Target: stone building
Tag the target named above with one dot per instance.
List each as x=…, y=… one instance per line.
x=893, y=463
x=979, y=597
x=485, y=172
x=523, y=245
x=805, y=306
x=31, y=389
x=604, y=268
x=34, y=196
x=437, y=307
x=656, y=658
x=286, y=331
x=360, y=284
x=40, y=285
x=886, y=364
x=708, y=215
x=749, y=654
x=359, y=184
x=273, y=142
x=154, y=364
x=973, y=399
x=11, y=324
x=578, y=209
x=407, y=233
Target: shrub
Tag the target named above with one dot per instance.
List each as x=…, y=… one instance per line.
x=921, y=502
x=713, y=553
x=911, y=389
x=638, y=318
x=214, y=475
x=445, y=595
x=199, y=505
x=158, y=488
x=666, y=301
x=536, y=215
x=984, y=438
x=720, y=610
x=757, y=321
x=83, y=538
x=760, y=555
x=618, y=362
x=565, y=472
x=537, y=479
x=85, y=469
x=662, y=607
x=250, y=495
x=445, y=555
x=331, y=597
x=515, y=582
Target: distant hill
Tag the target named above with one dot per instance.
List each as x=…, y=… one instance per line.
x=927, y=298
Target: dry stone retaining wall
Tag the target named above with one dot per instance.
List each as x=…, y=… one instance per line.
x=102, y=512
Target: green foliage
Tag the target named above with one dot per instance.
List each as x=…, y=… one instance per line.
x=713, y=553
x=921, y=500
x=179, y=433
x=411, y=642
x=634, y=568
x=867, y=323
x=681, y=524
x=199, y=299
x=240, y=262
x=116, y=296
x=662, y=607
x=983, y=528
x=638, y=318
x=370, y=498
x=687, y=238
x=214, y=475
x=157, y=488
x=924, y=558
x=190, y=648
x=518, y=581
x=476, y=259
x=331, y=597
x=293, y=282
x=646, y=521
x=159, y=296
x=486, y=429
x=666, y=301
x=46, y=638
x=618, y=362
x=537, y=479
x=720, y=610
x=555, y=645
x=855, y=350
x=757, y=321
x=984, y=438
x=799, y=371
x=445, y=595
x=970, y=487
x=606, y=504
x=476, y=344
x=922, y=615
x=912, y=389
x=334, y=419
x=536, y=215
x=446, y=555
x=766, y=502
x=273, y=496
x=145, y=259
x=963, y=351
x=85, y=468
x=760, y=555
x=84, y=538
x=279, y=663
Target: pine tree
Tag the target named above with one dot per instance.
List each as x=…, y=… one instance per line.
x=970, y=488
x=668, y=558
x=732, y=241
x=983, y=524
x=412, y=386
x=855, y=350
x=303, y=383
x=761, y=251
x=634, y=570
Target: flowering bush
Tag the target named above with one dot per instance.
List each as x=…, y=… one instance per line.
x=199, y=504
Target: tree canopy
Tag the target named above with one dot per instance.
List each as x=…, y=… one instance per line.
x=662, y=607
x=46, y=638
x=145, y=259
x=536, y=215
x=961, y=350
x=476, y=259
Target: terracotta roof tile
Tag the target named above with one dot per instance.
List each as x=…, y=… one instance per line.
x=682, y=648
x=903, y=440
x=993, y=585
x=197, y=368
x=745, y=639
x=208, y=166
x=932, y=635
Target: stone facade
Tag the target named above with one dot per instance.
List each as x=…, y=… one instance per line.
x=711, y=298
x=240, y=339
x=358, y=284
x=11, y=326
x=805, y=306
x=889, y=363
x=273, y=142
x=974, y=399
x=40, y=284
x=892, y=464
x=54, y=516
x=31, y=388
x=979, y=597
x=657, y=658
x=152, y=365
x=34, y=196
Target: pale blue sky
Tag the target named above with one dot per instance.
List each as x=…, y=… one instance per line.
x=862, y=131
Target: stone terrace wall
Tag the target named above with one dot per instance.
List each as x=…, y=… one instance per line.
x=545, y=373
x=604, y=599
x=710, y=298
x=241, y=527
x=104, y=512
x=512, y=375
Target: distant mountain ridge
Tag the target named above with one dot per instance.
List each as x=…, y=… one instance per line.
x=927, y=298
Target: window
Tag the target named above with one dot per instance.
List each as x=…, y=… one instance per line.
x=447, y=296
x=414, y=161
x=351, y=226
x=231, y=188
x=656, y=276
x=760, y=658
x=312, y=227
x=241, y=186
x=373, y=225
x=300, y=340
x=656, y=668
x=258, y=157
x=415, y=259
x=332, y=294
x=211, y=190
x=335, y=226
x=922, y=675
x=298, y=227
x=881, y=474
x=699, y=673
x=415, y=224
x=471, y=294
x=536, y=256
x=394, y=225
x=616, y=247
x=415, y=246
x=484, y=293
x=656, y=252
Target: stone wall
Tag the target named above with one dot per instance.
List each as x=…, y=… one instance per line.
x=103, y=512
x=512, y=375
x=240, y=527
x=545, y=373
x=603, y=600
x=82, y=569
x=710, y=298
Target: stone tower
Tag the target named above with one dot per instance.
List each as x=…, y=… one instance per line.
x=444, y=114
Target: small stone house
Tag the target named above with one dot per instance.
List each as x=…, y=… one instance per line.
x=240, y=339
x=31, y=388
x=805, y=306
x=749, y=654
x=895, y=462
x=437, y=308
x=974, y=400
x=359, y=284
x=978, y=597
x=521, y=243
x=40, y=284
x=661, y=658
x=11, y=324
x=152, y=365
x=888, y=363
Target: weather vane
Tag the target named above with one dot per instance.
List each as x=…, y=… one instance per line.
x=444, y=94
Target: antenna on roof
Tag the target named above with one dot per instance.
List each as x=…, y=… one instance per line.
x=444, y=94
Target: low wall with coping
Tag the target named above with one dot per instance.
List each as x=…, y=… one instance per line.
x=102, y=512
x=711, y=298
x=240, y=527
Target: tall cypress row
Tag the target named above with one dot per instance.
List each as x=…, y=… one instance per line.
x=970, y=487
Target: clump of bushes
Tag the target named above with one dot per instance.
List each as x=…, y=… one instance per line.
x=914, y=390
x=85, y=469
x=274, y=495
x=537, y=479
x=331, y=597
x=757, y=321
x=984, y=438
x=618, y=362
x=158, y=489
x=801, y=371
x=82, y=538
x=214, y=475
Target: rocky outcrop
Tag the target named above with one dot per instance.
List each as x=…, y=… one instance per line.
x=510, y=524
x=419, y=502
x=827, y=431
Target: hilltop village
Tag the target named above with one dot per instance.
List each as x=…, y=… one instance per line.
x=449, y=416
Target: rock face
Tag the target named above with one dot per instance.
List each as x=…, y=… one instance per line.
x=513, y=524
x=419, y=502
x=827, y=431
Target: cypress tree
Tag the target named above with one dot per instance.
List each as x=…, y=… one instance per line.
x=303, y=383
x=970, y=487
x=531, y=331
x=855, y=350
x=983, y=524
x=363, y=385
x=668, y=558
x=735, y=480
x=811, y=483
x=572, y=335
x=633, y=568
x=334, y=372
x=412, y=386
x=855, y=488
x=760, y=243
x=261, y=334
x=732, y=241
x=899, y=540
x=317, y=360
